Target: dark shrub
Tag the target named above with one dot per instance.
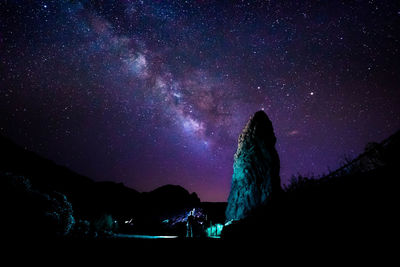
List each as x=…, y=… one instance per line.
x=105, y=224
x=29, y=212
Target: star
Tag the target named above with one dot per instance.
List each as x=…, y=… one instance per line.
x=170, y=86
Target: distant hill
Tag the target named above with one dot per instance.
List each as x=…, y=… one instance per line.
x=90, y=200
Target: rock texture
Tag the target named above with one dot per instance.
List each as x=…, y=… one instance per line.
x=255, y=169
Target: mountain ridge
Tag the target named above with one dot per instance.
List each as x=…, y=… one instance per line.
x=88, y=197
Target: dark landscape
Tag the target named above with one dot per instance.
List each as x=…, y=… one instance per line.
x=208, y=128
x=45, y=200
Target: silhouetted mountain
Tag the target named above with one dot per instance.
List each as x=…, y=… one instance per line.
x=168, y=196
x=31, y=183
x=256, y=168
x=89, y=198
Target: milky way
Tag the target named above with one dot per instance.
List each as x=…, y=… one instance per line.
x=156, y=92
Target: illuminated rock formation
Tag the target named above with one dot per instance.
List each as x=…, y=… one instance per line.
x=255, y=170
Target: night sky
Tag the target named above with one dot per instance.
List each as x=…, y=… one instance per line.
x=150, y=93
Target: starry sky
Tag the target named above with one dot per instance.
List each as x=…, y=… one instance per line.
x=156, y=92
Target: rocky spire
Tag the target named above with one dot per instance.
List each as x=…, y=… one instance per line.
x=255, y=169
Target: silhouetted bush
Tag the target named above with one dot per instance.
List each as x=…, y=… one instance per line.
x=60, y=213
x=29, y=212
x=82, y=228
x=105, y=224
x=298, y=183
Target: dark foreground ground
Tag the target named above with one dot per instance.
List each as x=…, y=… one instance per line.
x=198, y=252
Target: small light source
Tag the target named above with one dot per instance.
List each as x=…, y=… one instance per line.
x=312, y=93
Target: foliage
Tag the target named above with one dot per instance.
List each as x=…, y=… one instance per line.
x=31, y=212
x=300, y=183
x=105, y=224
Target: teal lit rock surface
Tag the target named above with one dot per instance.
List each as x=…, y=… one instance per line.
x=255, y=169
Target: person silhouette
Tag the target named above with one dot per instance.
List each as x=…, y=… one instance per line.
x=189, y=224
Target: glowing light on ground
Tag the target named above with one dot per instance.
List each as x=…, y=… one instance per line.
x=146, y=236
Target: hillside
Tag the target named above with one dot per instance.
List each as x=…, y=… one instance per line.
x=34, y=187
x=355, y=202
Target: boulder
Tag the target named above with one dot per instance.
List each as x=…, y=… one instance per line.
x=255, y=170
